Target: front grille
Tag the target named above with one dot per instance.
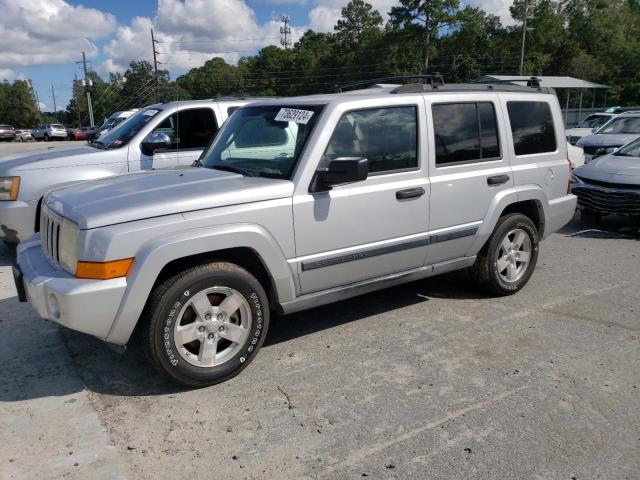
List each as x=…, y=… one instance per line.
x=608, y=198
x=50, y=235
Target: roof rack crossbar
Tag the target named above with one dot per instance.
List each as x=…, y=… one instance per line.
x=435, y=79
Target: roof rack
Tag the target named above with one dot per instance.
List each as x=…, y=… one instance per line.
x=469, y=87
x=435, y=79
x=532, y=82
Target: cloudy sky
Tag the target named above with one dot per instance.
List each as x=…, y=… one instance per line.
x=41, y=39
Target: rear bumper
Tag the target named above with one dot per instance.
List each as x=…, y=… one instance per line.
x=561, y=211
x=88, y=306
x=17, y=220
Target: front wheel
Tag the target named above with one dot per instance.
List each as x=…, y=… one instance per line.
x=506, y=262
x=206, y=324
x=46, y=137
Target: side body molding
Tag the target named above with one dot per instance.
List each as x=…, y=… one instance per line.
x=501, y=201
x=153, y=256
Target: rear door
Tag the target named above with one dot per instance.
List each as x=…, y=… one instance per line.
x=468, y=167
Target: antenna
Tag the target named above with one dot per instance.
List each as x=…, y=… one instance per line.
x=285, y=31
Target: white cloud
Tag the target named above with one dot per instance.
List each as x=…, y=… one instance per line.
x=495, y=7
x=191, y=32
x=6, y=74
x=43, y=107
x=325, y=14
x=36, y=32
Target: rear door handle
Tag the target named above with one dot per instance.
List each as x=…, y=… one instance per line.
x=410, y=193
x=497, y=179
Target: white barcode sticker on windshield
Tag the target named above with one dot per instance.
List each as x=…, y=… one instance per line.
x=294, y=115
x=150, y=113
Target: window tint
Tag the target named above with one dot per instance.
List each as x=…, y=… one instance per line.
x=387, y=137
x=465, y=132
x=188, y=129
x=257, y=131
x=230, y=110
x=532, y=127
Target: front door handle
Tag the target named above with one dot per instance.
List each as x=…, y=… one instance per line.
x=497, y=179
x=410, y=193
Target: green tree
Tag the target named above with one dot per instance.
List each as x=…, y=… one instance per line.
x=427, y=17
x=358, y=23
x=17, y=106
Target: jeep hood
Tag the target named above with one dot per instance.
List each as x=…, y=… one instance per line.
x=613, y=169
x=606, y=139
x=53, y=158
x=137, y=196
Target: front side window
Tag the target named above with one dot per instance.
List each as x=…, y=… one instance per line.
x=465, y=132
x=189, y=129
x=623, y=125
x=387, y=137
x=263, y=141
x=532, y=127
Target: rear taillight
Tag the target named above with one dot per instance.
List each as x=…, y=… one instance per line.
x=570, y=173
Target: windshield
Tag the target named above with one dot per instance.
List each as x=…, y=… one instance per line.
x=631, y=149
x=123, y=133
x=621, y=125
x=593, y=121
x=262, y=141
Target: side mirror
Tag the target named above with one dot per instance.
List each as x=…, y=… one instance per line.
x=341, y=171
x=155, y=141
x=594, y=129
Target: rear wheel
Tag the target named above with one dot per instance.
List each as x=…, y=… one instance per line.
x=506, y=262
x=46, y=137
x=206, y=324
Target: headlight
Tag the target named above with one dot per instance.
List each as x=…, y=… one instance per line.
x=9, y=187
x=68, y=246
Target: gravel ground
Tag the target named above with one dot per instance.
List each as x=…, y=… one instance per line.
x=430, y=380
x=9, y=148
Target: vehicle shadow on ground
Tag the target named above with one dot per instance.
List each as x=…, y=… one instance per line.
x=129, y=374
x=610, y=227
x=7, y=255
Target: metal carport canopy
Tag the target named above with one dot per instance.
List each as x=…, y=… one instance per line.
x=545, y=81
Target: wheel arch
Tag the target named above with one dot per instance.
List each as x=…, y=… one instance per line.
x=254, y=249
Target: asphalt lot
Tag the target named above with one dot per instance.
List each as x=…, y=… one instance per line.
x=430, y=380
x=9, y=148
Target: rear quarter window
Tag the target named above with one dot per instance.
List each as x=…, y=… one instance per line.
x=532, y=127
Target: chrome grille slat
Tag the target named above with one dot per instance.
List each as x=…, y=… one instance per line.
x=50, y=226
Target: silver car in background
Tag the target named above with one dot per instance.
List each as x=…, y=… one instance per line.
x=588, y=126
x=50, y=131
x=7, y=132
x=612, y=135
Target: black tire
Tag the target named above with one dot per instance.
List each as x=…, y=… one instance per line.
x=169, y=299
x=46, y=137
x=484, y=271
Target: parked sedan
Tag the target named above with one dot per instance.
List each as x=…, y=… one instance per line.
x=76, y=134
x=612, y=135
x=23, y=135
x=7, y=133
x=587, y=126
x=50, y=131
x=610, y=184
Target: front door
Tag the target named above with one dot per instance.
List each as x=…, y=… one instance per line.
x=375, y=227
x=190, y=131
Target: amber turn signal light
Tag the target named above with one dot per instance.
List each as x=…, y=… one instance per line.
x=103, y=271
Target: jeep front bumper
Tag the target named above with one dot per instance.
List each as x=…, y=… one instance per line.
x=88, y=306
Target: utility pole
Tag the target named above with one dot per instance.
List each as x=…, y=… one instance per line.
x=55, y=107
x=524, y=34
x=285, y=41
x=427, y=40
x=87, y=83
x=155, y=65
x=75, y=96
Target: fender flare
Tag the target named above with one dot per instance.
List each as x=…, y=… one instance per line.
x=500, y=202
x=154, y=255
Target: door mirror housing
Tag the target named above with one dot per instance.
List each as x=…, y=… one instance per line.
x=154, y=142
x=341, y=171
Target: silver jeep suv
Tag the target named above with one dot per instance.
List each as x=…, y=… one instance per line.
x=301, y=202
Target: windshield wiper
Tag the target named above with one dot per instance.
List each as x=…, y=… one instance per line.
x=229, y=168
x=622, y=154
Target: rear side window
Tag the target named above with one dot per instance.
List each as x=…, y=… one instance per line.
x=532, y=127
x=387, y=137
x=465, y=132
x=189, y=129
